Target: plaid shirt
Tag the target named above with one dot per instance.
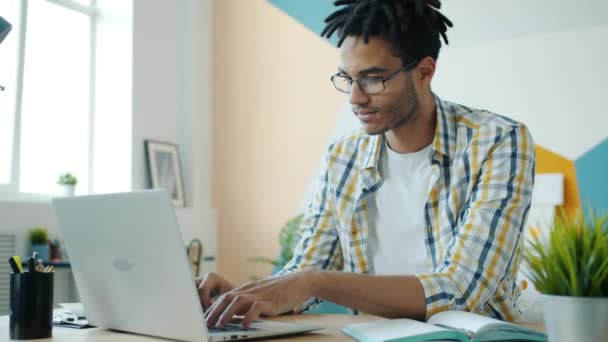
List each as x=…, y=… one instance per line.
x=482, y=175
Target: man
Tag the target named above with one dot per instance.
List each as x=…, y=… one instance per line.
x=424, y=211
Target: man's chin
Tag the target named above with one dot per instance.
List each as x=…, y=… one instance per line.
x=373, y=130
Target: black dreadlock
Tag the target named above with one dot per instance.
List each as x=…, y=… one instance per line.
x=411, y=26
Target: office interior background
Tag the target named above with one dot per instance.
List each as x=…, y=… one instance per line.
x=242, y=88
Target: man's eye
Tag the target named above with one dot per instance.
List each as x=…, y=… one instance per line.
x=372, y=79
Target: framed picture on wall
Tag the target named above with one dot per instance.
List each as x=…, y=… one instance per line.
x=164, y=169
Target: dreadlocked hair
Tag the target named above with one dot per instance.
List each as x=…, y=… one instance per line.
x=411, y=26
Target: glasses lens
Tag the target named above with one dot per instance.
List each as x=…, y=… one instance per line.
x=342, y=83
x=371, y=85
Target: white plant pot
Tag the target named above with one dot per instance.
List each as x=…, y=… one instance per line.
x=68, y=190
x=569, y=319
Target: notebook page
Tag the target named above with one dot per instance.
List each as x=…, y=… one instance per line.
x=464, y=320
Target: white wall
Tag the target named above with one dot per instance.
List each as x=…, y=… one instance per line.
x=478, y=22
x=155, y=82
x=172, y=87
x=541, y=62
x=16, y=217
x=553, y=82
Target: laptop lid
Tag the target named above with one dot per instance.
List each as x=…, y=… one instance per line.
x=130, y=265
x=131, y=270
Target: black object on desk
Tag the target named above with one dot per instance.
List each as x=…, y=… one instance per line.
x=5, y=28
x=31, y=305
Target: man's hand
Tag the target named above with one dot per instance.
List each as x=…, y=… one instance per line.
x=209, y=287
x=270, y=297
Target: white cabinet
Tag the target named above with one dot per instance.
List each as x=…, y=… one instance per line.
x=64, y=286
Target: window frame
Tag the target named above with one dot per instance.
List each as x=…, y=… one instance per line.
x=10, y=192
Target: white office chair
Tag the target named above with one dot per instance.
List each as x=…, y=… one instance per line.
x=547, y=196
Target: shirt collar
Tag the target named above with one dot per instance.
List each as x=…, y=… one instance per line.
x=442, y=142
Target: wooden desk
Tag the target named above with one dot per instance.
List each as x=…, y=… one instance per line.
x=332, y=323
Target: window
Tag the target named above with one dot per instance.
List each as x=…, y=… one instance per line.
x=46, y=112
x=8, y=77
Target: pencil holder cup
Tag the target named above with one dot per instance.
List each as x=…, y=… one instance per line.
x=31, y=305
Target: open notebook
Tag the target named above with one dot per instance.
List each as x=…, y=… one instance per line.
x=447, y=325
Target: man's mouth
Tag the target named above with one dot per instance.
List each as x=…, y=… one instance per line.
x=366, y=115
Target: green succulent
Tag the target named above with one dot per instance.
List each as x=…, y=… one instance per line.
x=573, y=260
x=67, y=179
x=38, y=236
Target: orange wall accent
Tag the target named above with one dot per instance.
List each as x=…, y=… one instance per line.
x=548, y=161
x=274, y=112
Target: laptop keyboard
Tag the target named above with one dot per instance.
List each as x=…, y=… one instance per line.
x=233, y=325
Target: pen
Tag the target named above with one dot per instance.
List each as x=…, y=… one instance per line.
x=40, y=266
x=31, y=264
x=13, y=264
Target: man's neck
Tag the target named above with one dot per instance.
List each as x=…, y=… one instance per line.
x=418, y=133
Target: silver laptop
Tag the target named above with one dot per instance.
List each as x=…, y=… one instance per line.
x=131, y=269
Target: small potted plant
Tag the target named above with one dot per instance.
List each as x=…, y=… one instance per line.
x=68, y=182
x=39, y=242
x=569, y=267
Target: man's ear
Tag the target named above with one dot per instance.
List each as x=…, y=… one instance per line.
x=425, y=70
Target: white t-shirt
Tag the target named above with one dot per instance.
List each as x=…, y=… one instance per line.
x=397, y=228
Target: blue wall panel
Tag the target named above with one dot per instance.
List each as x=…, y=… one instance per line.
x=309, y=13
x=592, y=177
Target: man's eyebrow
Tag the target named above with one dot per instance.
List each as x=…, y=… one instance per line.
x=366, y=71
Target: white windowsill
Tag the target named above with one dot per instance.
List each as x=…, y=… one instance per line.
x=23, y=197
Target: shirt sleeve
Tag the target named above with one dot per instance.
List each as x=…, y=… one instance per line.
x=487, y=237
x=319, y=244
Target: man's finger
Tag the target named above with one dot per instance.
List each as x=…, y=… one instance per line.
x=218, y=308
x=209, y=311
x=239, y=303
x=204, y=289
x=254, y=312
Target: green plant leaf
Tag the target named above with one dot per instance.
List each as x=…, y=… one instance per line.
x=38, y=236
x=67, y=179
x=573, y=261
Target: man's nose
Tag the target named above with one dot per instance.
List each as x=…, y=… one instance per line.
x=357, y=96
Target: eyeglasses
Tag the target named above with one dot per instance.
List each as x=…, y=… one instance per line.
x=370, y=85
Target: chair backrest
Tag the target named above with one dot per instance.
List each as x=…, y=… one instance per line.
x=195, y=252
x=547, y=196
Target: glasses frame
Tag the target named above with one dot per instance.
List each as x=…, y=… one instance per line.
x=384, y=79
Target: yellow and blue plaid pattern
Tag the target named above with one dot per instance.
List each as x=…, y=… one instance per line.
x=482, y=175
